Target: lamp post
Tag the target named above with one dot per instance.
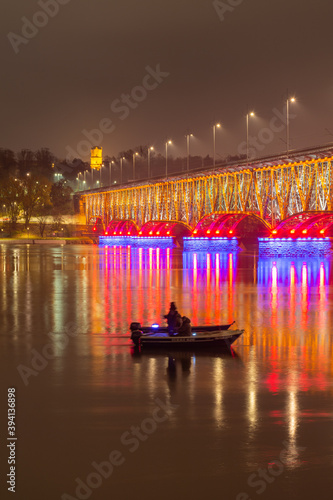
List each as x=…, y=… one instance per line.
x=247, y=135
x=215, y=126
x=188, y=150
x=166, y=157
x=110, y=172
x=289, y=99
x=150, y=149
x=121, y=169
x=134, y=155
x=100, y=174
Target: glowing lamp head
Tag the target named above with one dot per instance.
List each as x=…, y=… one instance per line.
x=274, y=231
x=129, y=232
x=120, y=232
x=158, y=232
x=114, y=232
x=168, y=232
x=106, y=233
x=150, y=232
x=292, y=231
x=322, y=231
x=208, y=232
x=94, y=229
x=195, y=231
x=140, y=232
x=304, y=231
x=230, y=232
x=217, y=231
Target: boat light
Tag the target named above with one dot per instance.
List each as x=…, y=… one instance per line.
x=155, y=325
x=194, y=334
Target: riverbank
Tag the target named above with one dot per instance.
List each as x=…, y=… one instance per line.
x=47, y=241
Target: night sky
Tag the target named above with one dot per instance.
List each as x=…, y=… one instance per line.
x=218, y=59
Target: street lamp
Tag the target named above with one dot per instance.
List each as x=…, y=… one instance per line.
x=188, y=149
x=134, y=155
x=289, y=99
x=215, y=126
x=121, y=169
x=110, y=173
x=166, y=157
x=247, y=135
x=150, y=149
x=100, y=174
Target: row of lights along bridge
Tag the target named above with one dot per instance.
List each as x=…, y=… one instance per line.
x=168, y=143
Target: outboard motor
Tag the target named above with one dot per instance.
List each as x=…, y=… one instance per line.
x=136, y=333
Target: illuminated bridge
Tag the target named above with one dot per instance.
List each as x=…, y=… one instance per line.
x=271, y=190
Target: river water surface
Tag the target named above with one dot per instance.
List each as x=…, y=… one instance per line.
x=253, y=424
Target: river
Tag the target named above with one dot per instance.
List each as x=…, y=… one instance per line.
x=96, y=420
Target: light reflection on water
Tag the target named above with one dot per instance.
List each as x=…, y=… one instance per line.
x=270, y=390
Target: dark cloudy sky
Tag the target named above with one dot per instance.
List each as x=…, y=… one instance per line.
x=66, y=77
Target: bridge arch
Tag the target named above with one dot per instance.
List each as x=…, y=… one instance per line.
x=232, y=224
x=165, y=228
x=121, y=228
x=305, y=224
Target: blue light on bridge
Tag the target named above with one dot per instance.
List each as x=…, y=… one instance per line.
x=137, y=241
x=294, y=247
x=211, y=244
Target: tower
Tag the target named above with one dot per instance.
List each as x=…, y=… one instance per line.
x=96, y=158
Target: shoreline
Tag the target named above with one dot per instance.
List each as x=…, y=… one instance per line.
x=40, y=241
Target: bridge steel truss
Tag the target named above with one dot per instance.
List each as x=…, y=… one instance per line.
x=273, y=192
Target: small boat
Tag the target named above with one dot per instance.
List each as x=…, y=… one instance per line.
x=203, y=337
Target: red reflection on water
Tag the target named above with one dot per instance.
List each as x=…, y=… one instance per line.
x=274, y=297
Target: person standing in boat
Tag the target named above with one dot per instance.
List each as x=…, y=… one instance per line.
x=174, y=319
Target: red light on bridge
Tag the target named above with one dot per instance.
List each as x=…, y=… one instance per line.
x=208, y=232
x=150, y=232
x=292, y=231
x=120, y=232
x=114, y=232
x=129, y=232
x=230, y=232
x=195, y=231
x=217, y=231
x=322, y=231
x=304, y=231
x=106, y=233
x=274, y=231
x=158, y=232
x=94, y=229
x=168, y=232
